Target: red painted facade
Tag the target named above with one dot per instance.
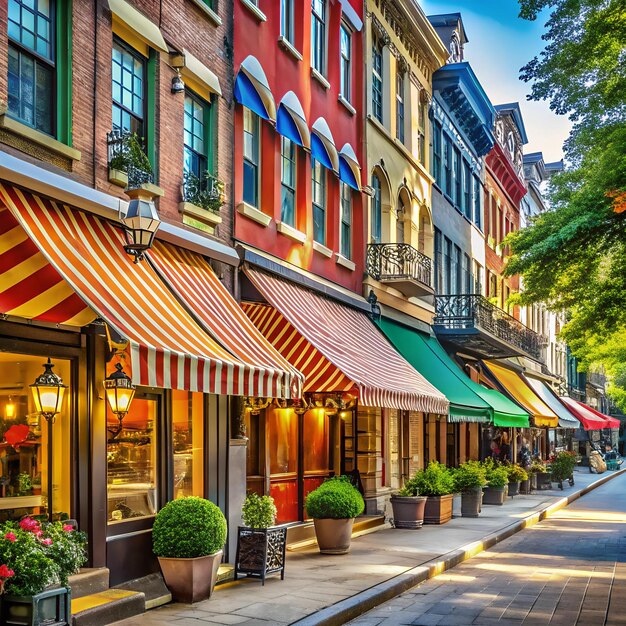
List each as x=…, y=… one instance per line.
x=253, y=36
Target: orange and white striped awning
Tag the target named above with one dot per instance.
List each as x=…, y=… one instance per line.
x=168, y=349
x=338, y=348
x=193, y=280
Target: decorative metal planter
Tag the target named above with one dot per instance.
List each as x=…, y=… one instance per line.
x=408, y=511
x=51, y=607
x=438, y=509
x=261, y=551
x=544, y=480
x=471, y=502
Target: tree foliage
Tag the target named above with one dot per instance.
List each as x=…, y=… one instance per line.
x=573, y=256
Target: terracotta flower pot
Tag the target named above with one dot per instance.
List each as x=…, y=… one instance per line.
x=333, y=535
x=408, y=511
x=438, y=509
x=471, y=502
x=191, y=580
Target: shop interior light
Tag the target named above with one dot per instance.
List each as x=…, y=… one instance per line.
x=9, y=410
x=120, y=392
x=48, y=391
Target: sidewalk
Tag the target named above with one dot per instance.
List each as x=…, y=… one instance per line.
x=380, y=565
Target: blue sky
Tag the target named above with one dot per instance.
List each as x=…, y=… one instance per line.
x=499, y=45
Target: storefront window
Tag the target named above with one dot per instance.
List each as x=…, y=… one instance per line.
x=188, y=433
x=131, y=461
x=24, y=444
x=282, y=434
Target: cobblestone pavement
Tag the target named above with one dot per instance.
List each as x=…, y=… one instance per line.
x=569, y=569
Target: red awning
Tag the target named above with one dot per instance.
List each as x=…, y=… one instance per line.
x=168, y=348
x=588, y=417
x=338, y=348
x=191, y=278
x=611, y=421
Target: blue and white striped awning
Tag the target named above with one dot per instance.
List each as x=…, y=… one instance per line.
x=253, y=91
x=291, y=121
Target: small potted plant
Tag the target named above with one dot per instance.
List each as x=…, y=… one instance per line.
x=260, y=544
x=333, y=507
x=497, y=483
x=469, y=480
x=408, y=506
x=539, y=476
x=188, y=536
x=36, y=561
x=516, y=475
x=437, y=484
x=562, y=467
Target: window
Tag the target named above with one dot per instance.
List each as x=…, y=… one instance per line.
x=438, y=261
x=318, y=193
x=447, y=266
x=188, y=443
x=345, y=235
x=476, y=208
x=250, y=158
x=437, y=153
x=286, y=20
x=345, y=43
x=196, y=123
x=376, y=211
x=377, y=79
x=128, y=89
x=287, y=181
x=32, y=69
x=400, y=215
x=447, y=165
x=457, y=178
x=467, y=275
x=457, y=276
x=467, y=190
x=477, y=277
x=400, y=106
x=421, y=139
x=318, y=35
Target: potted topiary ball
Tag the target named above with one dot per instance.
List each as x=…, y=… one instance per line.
x=517, y=474
x=188, y=536
x=333, y=507
x=437, y=483
x=408, y=506
x=497, y=484
x=469, y=479
x=260, y=544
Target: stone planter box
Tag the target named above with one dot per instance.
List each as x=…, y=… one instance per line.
x=51, y=607
x=408, y=511
x=514, y=488
x=471, y=502
x=261, y=551
x=438, y=509
x=117, y=177
x=495, y=495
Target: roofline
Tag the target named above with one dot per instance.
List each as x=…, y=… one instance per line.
x=447, y=16
x=516, y=112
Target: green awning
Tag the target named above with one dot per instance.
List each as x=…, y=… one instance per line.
x=469, y=401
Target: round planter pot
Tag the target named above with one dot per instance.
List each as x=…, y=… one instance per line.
x=525, y=486
x=438, y=509
x=408, y=512
x=333, y=535
x=471, y=502
x=191, y=580
x=495, y=495
x=514, y=488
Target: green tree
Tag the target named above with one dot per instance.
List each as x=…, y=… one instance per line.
x=574, y=255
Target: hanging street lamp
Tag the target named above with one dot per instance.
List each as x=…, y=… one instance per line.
x=140, y=224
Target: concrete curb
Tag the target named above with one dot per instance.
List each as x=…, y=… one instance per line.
x=350, y=608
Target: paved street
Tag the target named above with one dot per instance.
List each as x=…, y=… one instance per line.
x=569, y=569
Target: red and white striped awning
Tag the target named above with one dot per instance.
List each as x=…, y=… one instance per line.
x=338, y=348
x=193, y=280
x=168, y=349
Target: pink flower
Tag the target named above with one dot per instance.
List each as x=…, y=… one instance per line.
x=30, y=525
x=5, y=572
x=68, y=528
x=47, y=542
x=10, y=536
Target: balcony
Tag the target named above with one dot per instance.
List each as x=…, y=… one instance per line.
x=482, y=329
x=401, y=266
x=597, y=379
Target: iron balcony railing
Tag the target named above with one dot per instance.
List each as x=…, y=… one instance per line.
x=467, y=311
x=395, y=261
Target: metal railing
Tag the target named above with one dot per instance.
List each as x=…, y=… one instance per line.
x=467, y=311
x=389, y=261
x=123, y=154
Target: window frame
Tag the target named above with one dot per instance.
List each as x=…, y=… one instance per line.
x=458, y=177
x=467, y=189
x=439, y=261
x=345, y=63
x=447, y=165
x=255, y=165
x=321, y=208
x=207, y=114
x=376, y=210
x=437, y=154
x=288, y=187
x=400, y=91
x=345, y=197
x=320, y=21
x=377, y=78
x=476, y=208
x=287, y=21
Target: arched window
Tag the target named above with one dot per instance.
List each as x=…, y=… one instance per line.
x=400, y=215
x=376, y=211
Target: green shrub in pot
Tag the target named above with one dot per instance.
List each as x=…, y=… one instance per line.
x=516, y=473
x=468, y=476
x=336, y=498
x=435, y=480
x=258, y=511
x=497, y=476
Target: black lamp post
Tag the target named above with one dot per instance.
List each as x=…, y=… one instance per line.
x=48, y=392
x=120, y=392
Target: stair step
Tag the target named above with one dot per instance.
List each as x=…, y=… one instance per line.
x=225, y=573
x=106, y=607
x=152, y=586
x=89, y=581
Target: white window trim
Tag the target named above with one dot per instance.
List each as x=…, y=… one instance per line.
x=254, y=9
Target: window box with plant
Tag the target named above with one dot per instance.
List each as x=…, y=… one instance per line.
x=129, y=165
x=408, y=506
x=469, y=480
x=36, y=561
x=188, y=536
x=437, y=483
x=497, y=483
x=333, y=507
x=517, y=474
x=203, y=197
x=260, y=544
